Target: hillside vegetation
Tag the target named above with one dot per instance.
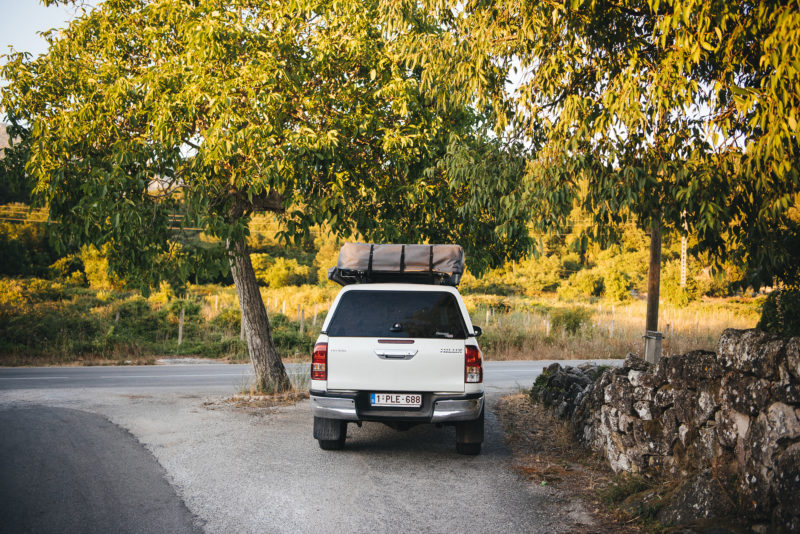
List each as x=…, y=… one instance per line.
x=570, y=302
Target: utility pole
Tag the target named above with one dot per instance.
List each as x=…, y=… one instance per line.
x=652, y=337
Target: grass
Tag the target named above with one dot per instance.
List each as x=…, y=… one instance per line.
x=524, y=328
x=46, y=322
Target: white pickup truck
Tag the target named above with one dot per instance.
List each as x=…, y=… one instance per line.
x=401, y=354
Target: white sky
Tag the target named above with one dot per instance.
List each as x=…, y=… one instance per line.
x=21, y=20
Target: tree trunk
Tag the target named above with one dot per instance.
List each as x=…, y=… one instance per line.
x=652, y=346
x=654, y=277
x=270, y=373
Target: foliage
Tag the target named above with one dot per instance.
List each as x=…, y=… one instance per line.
x=570, y=319
x=616, y=285
x=781, y=312
x=588, y=282
x=683, y=112
x=49, y=322
x=15, y=184
x=143, y=110
x=26, y=246
x=671, y=284
x=280, y=272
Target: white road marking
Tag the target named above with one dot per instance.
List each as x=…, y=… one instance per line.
x=32, y=377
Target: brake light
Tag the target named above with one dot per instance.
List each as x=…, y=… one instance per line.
x=319, y=362
x=473, y=366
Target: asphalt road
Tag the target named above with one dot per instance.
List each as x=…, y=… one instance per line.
x=157, y=449
x=498, y=376
x=71, y=471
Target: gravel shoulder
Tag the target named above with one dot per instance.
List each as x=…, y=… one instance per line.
x=546, y=453
x=258, y=469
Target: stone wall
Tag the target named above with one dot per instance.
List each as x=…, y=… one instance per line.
x=725, y=426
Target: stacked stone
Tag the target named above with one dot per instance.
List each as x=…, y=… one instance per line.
x=727, y=425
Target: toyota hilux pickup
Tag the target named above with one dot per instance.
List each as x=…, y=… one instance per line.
x=400, y=354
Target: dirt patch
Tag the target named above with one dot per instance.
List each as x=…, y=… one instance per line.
x=546, y=453
x=258, y=404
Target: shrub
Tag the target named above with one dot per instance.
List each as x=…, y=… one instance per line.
x=617, y=285
x=671, y=289
x=570, y=263
x=280, y=272
x=570, y=319
x=539, y=275
x=95, y=265
x=580, y=285
x=781, y=313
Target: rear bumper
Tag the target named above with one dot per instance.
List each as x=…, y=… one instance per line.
x=436, y=408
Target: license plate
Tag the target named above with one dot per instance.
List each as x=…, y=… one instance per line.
x=396, y=399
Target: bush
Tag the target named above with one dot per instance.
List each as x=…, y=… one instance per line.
x=570, y=263
x=581, y=285
x=781, y=313
x=570, y=319
x=617, y=285
x=280, y=272
x=671, y=289
x=539, y=275
x=95, y=265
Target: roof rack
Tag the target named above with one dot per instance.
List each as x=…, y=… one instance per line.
x=363, y=263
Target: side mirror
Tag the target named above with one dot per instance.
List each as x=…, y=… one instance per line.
x=478, y=330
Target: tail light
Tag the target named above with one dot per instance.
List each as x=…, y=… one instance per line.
x=319, y=362
x=473, y=366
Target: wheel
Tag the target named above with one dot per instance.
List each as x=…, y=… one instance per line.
x=330, y=433
x=469, y=449
x=469, y=436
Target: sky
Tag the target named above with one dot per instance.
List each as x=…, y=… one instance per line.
x=21, y=20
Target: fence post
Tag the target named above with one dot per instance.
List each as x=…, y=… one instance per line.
x=180, y=325
x=302, y=320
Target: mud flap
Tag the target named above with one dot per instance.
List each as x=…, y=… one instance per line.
x=470, y=431
x=329, y=429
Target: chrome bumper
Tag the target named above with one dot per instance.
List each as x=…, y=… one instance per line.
x=334, y=408
x=457, y=410
x=445, y=410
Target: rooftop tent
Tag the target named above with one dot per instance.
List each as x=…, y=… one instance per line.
x=420, y=264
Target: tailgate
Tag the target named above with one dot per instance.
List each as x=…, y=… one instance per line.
x=374, y=364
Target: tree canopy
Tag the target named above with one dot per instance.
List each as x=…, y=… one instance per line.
x=226, y=108
x=684, y=111
x=144, y=114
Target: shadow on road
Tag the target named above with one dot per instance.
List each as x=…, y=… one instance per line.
x=66, y=470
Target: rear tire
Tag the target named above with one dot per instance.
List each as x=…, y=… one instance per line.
x=330, y=433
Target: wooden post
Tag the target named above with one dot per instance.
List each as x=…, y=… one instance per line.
x=315, y=316
x=180, y=325
x=302, y=320
x=216, y=302
x=116, y=317
x=683, y=261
